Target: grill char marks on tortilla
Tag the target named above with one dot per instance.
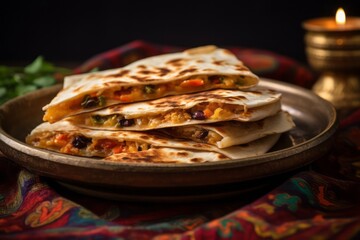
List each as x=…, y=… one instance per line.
x=167, y=155
x=151, y=78
x=119, y=74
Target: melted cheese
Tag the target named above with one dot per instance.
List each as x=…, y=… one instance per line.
x=63, y=143
x=176, y=116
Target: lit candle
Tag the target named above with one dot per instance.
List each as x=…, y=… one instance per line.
x=333, y=50
x=339, y=23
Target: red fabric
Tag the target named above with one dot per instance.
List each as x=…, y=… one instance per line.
x=319, y=203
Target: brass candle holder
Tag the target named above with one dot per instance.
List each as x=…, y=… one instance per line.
x=333, y=49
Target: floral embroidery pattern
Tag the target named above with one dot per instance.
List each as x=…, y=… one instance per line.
x=285, y=199
x=225, y=227
x=48, y=212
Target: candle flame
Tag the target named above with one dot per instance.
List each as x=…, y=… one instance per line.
x=340, y=16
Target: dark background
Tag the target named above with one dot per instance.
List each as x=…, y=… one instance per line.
x=76, y=30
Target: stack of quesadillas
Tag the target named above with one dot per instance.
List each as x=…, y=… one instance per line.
x=199, y=105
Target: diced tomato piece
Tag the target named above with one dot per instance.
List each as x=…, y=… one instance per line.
x=61, y=136
x=107, y=143
x=125, y=98
x=124, y=95
x=61, y=139
x=117, y=149
x=192, y=83
x=208, y=113
x=161, y=89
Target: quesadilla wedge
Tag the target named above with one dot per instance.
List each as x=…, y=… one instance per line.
x=226, y=134
x=197, y=108
x=193, y=70
x=66, y=138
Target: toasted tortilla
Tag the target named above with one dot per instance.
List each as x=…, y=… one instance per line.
x=226, y=134
x=197, y=108
x=193, y=70
x=66, y=138
x=173, y=155
x=167, y=155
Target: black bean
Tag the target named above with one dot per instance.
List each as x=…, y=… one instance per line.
x=139, y=148
x=89, y=102
x=126, y=122
x=198, y=115
x=216, y=79
x=203, y=134
x=81, y=142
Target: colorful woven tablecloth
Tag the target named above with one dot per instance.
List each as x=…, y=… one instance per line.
x=321, y=202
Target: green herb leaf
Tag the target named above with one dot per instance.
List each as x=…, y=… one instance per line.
x=39, y=65
x=22, y=89
x=2, y=92
x=16, y=81
x=44, y=81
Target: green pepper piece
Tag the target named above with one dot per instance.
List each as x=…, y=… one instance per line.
x=240, y=81
x=97, y=119
x=149, y=89
x=101, y=100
